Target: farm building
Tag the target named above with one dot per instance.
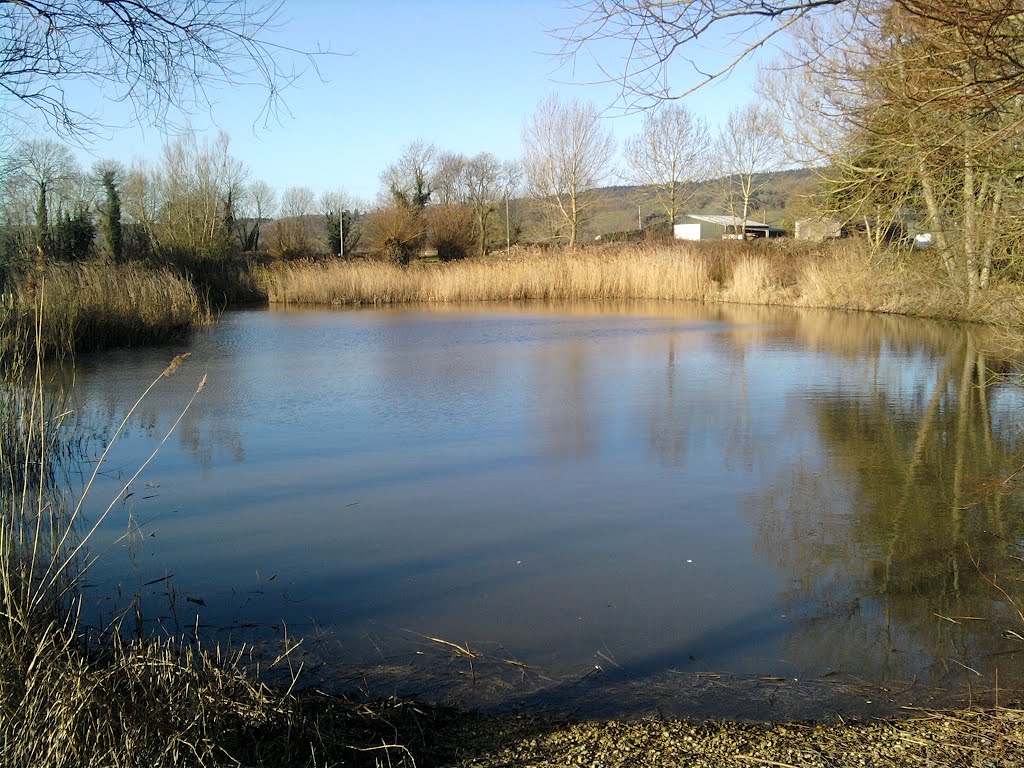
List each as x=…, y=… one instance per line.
x=819, y=229
x=906, y=230
x=712, y=227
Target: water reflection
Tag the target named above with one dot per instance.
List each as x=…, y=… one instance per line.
x=896, y=529
x=732, y=489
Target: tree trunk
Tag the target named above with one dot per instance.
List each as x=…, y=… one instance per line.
x=970, y=203
x=935, y=221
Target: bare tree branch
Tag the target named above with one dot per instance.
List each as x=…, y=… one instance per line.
x=649, y=37
x=161, y=57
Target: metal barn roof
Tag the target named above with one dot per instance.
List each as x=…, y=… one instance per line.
x=728, y=221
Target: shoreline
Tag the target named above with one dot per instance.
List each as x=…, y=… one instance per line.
x=968, y=737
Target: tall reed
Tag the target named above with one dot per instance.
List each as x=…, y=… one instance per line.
x=91, y=306
x=651, y=273
x=841, y=275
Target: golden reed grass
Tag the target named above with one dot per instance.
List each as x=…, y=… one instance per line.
x=838, y=275
x=598, y=274
x=90, y=306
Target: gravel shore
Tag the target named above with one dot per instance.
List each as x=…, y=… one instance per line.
x=993, y=737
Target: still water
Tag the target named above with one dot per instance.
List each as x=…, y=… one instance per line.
x=614, y=496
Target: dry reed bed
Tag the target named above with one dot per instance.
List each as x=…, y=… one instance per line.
x=834, y=276
x=646, y=274
x=91, y=306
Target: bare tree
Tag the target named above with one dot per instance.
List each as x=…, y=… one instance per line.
x=159, y=55
x=511, y=180
x=672, y=151
x=749, y=144
x=257, y=204
x=920, y=113
x=409, y=180
x=141, y=204
x=483, y=182
x=447, y=179
x=42, y=183
x=42, y=178
x=567, y=153
x=292, y=237
x=197, y=183
x=297, y=202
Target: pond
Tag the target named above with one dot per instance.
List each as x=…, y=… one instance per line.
x=604, y=509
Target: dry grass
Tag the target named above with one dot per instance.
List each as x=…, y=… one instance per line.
x=91, y=306
x=752, y=282
x=838, y=276
x=650, y=273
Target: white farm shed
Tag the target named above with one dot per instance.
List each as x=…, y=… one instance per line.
x=714, y=227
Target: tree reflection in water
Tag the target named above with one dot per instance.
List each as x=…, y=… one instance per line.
x=903, y=512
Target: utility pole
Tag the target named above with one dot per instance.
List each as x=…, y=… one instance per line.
x=341, y=232
x=508, y=230
x=639, y=221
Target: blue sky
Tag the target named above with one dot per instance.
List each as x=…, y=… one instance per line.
x=462, y=75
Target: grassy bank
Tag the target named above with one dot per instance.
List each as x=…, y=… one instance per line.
x=837, y=275
x=91, y=306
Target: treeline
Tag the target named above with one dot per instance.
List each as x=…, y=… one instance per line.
x=197, y=211
x=456, y=205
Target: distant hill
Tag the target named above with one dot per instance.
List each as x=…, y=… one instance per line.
x=782, y=198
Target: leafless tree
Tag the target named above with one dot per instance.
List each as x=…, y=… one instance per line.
x=262, y=200
x=511, y=182
x=567, y=153
x=292, y=236
x=409, y=180
x=672, y=151
x=141, y=200
x=161, y=56
x=447, y=179
x=749, y=144
x=483, y=180
x=257, y=204
x=917, y=118
x=297, y=202
x=43, y=178
x=196, y=184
